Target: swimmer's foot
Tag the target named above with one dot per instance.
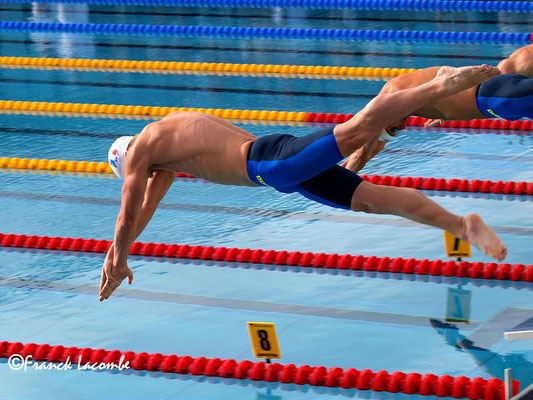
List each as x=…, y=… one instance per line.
x=480, y=235
x=457, y=79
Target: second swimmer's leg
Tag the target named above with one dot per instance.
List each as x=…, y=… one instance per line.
x=386, y=109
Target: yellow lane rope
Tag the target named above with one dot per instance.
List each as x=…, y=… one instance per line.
x=115, y=110
x=58, y=173
x=61, y=167
x=147, y=118
x=182, y=67
x=55, y=165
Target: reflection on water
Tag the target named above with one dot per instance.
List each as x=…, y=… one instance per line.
x=491, y=362
x=63, y=13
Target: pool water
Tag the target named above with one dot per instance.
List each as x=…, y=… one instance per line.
x=335, y=318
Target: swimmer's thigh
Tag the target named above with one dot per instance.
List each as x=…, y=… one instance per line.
x=334, y=187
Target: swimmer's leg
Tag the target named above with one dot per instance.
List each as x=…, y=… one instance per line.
x=334, y=187
x=413, y=205
x=386, y=109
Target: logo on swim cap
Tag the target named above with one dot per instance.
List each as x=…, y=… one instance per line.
x=114, y=161
x=117, y=155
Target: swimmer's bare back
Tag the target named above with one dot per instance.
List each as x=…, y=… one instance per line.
x=197, y=144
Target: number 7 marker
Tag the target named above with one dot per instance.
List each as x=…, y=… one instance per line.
x=456, y=247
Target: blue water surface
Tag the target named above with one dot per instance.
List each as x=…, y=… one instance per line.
x=335, y=318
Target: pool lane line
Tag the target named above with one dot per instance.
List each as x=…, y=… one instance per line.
x=88, y=110
x=139, y=117
x=201, y=73
x=431, y=193
x=475, y=270
x=109, y=135
x=240, y=50
x=388, y=5
x=343, y=18
x=456, y=155
x=302, y=71
x=194, y=89
x=411, y=383
x=251, y=212
x=430, y=183
x=389, y=276
x=229, y=303
x=239, y=32
x=58, y=132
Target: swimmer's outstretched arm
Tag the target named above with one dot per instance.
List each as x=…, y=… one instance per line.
x=139, y=202
x=368, y=151
x=362, y=155
x=156, y=189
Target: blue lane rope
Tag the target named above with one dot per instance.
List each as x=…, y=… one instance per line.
x=270, y=33
x=429, y=5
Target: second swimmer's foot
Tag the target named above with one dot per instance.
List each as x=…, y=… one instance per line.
x=458, y=79
x=481, y=236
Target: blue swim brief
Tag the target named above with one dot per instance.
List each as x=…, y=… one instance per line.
x=507, y=96
x=307, y=165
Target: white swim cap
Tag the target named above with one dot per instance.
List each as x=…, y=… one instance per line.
x=117, y=155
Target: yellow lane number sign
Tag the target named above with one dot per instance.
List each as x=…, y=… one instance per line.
x=456, y=247
x=264, y=339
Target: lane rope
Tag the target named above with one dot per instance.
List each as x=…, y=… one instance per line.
x=395, y=382
x=431, y=5
x=463, y=269
x=89, y=110
x=301, y=71
x=269, y=33
x=439, y=184
x=63, y=165
x=486, y=196
x=435, y=279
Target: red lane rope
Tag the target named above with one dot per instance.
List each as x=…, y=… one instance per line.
x=463, y=269
x=396, y=382
x=453, y=185
x=496, y=124
x=436, y=279
x=438, y=184
x=501, y=124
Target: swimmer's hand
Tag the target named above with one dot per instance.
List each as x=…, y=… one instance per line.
x=433, y=122
x=112, y=276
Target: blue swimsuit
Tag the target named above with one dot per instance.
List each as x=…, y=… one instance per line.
x=307, y=165
x=507, y=96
